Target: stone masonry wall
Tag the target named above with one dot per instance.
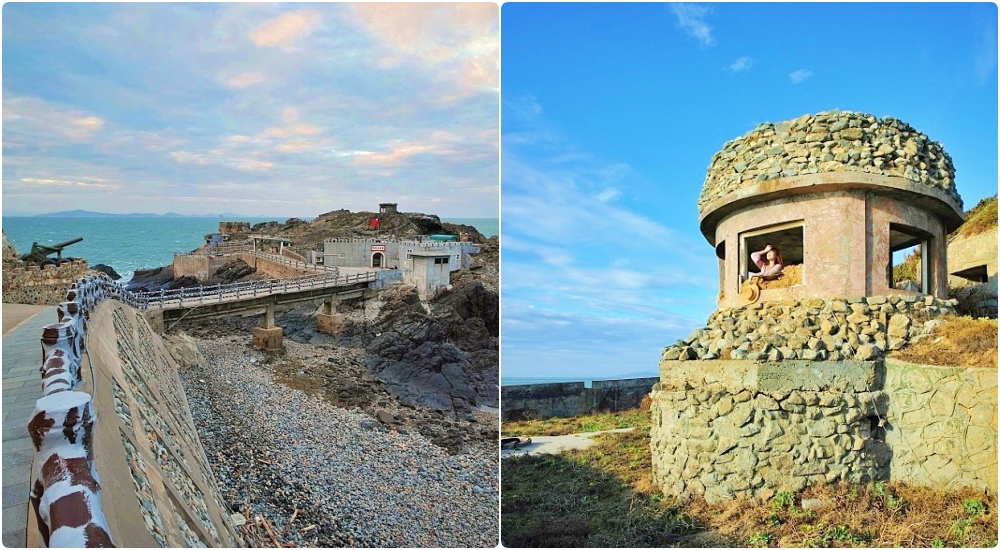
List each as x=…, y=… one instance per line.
x=742, y=429
x=828, y=142
x=942, y=425
x=861, y=328
x=748, y=429
x=33, y=285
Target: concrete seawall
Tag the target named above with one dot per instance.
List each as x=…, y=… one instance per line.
x=572, y=398
x=137, y=473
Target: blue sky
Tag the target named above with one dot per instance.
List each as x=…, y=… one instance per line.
x=259, y=109
x=612, y=112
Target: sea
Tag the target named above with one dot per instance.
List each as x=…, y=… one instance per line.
x=587, y=382
x=130, y=243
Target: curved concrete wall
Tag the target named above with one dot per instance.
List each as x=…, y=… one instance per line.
x=846, y=248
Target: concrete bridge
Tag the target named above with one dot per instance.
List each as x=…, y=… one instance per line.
x=327, y=283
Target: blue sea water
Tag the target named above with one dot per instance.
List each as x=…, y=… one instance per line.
x=127, y=244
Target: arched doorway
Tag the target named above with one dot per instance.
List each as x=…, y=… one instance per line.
x=378, y=259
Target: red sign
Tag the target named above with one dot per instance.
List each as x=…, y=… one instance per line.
x=378, y=248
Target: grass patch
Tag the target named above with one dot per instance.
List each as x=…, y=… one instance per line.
x=958, y=342
x=981, y=218
x=634, y=418
x=604, y=496
x=908, y=269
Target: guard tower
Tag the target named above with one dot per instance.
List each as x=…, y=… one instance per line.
x=387, y=208
x=837, y=193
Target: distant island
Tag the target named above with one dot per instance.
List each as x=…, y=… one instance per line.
x=89, y=214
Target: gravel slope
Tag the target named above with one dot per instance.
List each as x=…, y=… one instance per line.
x=275, y=450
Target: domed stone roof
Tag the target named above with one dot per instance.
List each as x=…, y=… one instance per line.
x=831, y=141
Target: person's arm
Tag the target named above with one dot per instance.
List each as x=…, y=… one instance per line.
x=755, y=257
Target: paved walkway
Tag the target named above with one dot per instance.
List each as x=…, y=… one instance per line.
x=555, y=444
x=22, y=386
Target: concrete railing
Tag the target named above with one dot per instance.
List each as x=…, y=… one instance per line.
x=65, y=492
x=297, y=264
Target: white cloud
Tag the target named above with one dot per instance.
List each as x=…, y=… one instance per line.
x=741, y=64
x=283, y=31
x=609, y=194
x=691, y=18
x=799, y=76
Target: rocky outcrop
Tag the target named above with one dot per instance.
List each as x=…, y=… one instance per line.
x=830, y=141
x=446, y=358
x=861, y=328
x=107, y=270
x=158, y=278
x=231, y=272
x=10, y=255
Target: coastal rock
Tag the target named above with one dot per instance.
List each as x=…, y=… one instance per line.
x=107, y=270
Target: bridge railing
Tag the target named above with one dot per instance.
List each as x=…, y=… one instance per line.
x=191, y=296
x=298, y=264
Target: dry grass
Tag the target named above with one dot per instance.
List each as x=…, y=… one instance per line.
x=595, y=422
x=791, y=276
x=958, y=342
x=979, y=219
x=604, y=497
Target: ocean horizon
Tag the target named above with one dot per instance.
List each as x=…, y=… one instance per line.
x=128, y=243
x=587, y=380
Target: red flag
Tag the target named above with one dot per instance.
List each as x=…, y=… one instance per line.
x=373, y=223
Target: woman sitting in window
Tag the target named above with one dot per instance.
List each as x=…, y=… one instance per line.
x=770, y=265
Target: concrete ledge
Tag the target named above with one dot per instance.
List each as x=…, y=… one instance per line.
x=773, y=376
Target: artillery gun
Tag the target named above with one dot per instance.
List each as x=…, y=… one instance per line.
x=40, y=253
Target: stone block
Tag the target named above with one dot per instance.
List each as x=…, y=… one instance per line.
x=267, y=338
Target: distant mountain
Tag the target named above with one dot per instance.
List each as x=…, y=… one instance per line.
x=90, y=214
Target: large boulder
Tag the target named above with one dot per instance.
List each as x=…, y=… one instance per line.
x=184, y=350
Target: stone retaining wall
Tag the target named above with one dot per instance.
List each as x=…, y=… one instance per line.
x=942, y=425
x=829, y=142
x=742, y=429
x=32, y=285
x=861, y=328
x=572, y=398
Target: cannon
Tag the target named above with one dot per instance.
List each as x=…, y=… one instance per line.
x=40, y=253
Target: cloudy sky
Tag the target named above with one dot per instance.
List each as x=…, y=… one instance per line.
x=258, y=109
x=611, y=115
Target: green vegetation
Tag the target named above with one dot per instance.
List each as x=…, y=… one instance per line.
x=908, y=269
x=982, y=217
x=605, y=496
x=595, y=422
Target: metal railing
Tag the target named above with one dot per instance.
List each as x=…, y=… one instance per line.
x=234, y=292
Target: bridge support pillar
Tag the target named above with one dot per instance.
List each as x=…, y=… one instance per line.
x=267, y=336
x=330, y=322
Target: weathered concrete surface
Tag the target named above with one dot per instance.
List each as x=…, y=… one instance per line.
x=572, y=398
x=267, y=338
x=846, y=249
x=942, y=425
x=330, y=323
x=158, y=488
x=977, y=256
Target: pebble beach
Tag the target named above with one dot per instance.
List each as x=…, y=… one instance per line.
x=343, y=478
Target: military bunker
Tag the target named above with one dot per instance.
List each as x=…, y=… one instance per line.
x=837, y=193
x=788, y=386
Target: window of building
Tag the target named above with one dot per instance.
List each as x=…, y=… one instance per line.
x=909, y=263
x=441, y=260
x=787, y=238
